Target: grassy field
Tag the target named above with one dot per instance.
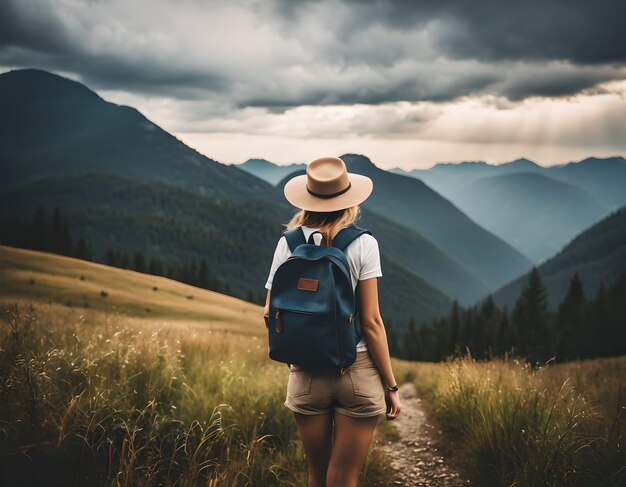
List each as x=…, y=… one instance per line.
x=182, y=394
x=515, y=425
x=112, y=377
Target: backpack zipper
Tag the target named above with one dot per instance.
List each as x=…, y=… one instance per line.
x=279, y=326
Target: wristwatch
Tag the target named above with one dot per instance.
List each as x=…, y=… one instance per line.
x=393, y=389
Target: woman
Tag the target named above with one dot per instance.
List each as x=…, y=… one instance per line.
x=329, y=197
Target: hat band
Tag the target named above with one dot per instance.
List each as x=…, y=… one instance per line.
x=332, y=195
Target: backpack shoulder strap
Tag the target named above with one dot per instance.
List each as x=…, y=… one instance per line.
x=294, y=237
x=347, y=235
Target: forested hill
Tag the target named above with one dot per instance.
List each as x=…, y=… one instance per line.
x=54, y=126
x=597, y=255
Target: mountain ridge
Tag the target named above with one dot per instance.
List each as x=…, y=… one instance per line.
x=598, y=255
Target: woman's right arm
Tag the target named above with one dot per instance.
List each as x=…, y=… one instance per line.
x=376, y=336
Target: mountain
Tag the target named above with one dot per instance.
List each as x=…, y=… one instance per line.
x=519, y=165
x=598, y=255
x=448, y=178
x=535, y=213
x=577, y=196
x=272, y=173
x=604, y=178
x=128, y=185
x=51, y=125
x=481, y=167
x=411, y=203
x=421, y=257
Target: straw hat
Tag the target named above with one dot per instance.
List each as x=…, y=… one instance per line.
x=327, y=186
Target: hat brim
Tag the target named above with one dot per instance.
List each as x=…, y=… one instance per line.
x=296, y=193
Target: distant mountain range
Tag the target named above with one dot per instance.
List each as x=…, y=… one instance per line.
x=413, y=204
x=598, y=255
x=536, y=209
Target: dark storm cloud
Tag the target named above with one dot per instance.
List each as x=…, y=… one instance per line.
x=580, y=31
x=280, y=54
x=50, y=38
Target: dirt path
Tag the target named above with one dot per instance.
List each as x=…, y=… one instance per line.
x=419, y=456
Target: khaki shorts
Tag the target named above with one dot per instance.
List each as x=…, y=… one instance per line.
x=359, y=392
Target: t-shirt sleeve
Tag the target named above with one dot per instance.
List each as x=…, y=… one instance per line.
x=370, y=258
x=281, y=254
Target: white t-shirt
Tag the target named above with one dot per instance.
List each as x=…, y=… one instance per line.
x=362, y=254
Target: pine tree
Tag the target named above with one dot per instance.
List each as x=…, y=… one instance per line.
x=455, y=325
x=504, y=336
x=392, y=339
x=489, y=320
x=109, y=257
x=600, y=315
x=83, y=251
x=66, y=244
x=203, y=276
x=38, y=239
x=156, y=268
x=530, y=317
x=616, y=324
x=56, y=234
x=411, y=342
x=139, y=263
x=571, y=330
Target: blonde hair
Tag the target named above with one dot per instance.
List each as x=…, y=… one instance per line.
x=329, y=222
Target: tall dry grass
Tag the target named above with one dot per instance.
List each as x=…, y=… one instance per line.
x=87, y=399
x=556, y=425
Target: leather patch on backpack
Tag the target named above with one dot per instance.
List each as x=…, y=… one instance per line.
x=305, y=284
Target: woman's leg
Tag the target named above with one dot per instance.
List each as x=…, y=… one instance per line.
x=353, y=437
x=316, y=434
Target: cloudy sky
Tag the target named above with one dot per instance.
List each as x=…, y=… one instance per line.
x=409, y=83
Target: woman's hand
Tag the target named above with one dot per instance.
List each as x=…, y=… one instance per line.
x=266, y=310
x=392, y=399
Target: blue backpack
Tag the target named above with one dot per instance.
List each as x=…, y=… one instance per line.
x=313, y=305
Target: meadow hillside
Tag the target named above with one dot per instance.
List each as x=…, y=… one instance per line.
x=73, y=283
x=114, y=377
